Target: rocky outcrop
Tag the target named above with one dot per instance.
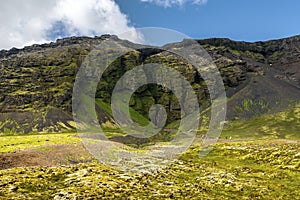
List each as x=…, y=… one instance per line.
x=36, y=82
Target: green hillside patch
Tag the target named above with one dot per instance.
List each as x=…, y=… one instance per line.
x=19, y=143
x=137, y=117
x=282, y=125
x=114, y=131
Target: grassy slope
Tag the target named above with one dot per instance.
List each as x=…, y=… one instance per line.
x=137, y=117
x=282, y=125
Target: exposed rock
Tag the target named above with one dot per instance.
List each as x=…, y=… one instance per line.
x=36, y=82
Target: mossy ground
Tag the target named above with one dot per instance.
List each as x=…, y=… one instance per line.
x=233, y=170
x=262, y=161
x=10, y=144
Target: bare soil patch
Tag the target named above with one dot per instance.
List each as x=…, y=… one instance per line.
x=53, y=155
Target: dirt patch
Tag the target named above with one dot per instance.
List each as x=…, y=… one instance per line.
x=54, y=155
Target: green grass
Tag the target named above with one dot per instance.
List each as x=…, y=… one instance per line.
x=22, y=142
x=115, y=131
x=244, y=170
x=282, y=125
x=258, y=169
x=137, y=117
x=250, y=105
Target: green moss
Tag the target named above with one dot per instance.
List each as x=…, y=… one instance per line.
x=252, y=106
x=235, y=52
x=136, y=116
x=282, y=125
x=16, y=143
x=254, y=55
x=241, y=170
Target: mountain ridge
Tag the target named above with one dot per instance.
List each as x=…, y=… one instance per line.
x=37, y=81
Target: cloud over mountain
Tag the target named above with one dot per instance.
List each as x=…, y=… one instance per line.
x=35, y=21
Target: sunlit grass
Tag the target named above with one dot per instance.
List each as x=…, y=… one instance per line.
x=21, y=142
x=282, y=125
x=235, y=170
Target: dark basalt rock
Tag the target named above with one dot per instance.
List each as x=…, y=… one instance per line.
x=39, y=79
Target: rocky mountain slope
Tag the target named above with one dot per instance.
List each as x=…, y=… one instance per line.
x=36, y=82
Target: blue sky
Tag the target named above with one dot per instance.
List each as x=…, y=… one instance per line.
x=30, y=22
x=236, y=19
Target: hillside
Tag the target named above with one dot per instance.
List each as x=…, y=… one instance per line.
x=37, y=81
x=255, y=157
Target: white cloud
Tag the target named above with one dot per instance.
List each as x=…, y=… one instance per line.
x=170, y=3
x=30, y=21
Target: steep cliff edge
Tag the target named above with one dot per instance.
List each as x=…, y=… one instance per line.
x=36, y=82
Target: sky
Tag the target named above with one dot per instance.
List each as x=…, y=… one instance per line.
x=34, y=21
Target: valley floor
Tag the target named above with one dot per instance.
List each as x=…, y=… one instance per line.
x=63, y=169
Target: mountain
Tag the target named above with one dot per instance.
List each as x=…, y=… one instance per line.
x=36, y=82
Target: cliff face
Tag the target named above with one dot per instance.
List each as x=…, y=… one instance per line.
x=272, y=69
x=37, y=81
x=282, y=55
